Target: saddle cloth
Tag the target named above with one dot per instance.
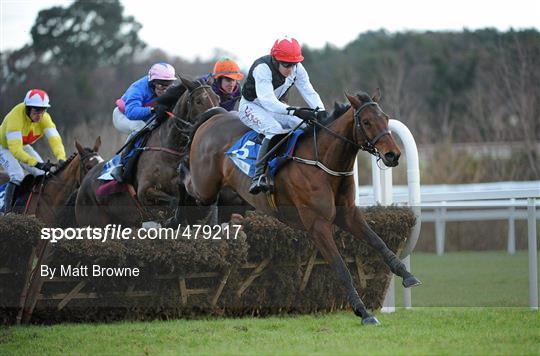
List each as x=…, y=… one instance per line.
x=244, y=152
x=22, y=192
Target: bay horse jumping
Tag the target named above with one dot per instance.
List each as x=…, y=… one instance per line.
x=313, y=191
x=155, y=182
x=53, y=190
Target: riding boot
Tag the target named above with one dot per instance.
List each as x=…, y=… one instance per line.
x=259, y=182
x=9, y=193
x=119, y=171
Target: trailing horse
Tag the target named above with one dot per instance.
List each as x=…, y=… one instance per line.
x=314, y=190
x=47, y=201
x=155, y=184
x=50, y=192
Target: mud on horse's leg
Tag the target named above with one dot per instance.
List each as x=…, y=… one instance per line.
x=321, y=234
x=352, y=221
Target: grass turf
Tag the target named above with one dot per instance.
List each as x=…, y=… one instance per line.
x=455, y=279
x=420, y=331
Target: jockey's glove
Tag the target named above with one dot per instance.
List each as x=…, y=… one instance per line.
x=321, y=115
x=305, y=114
x=159, y=110
x=45, y=166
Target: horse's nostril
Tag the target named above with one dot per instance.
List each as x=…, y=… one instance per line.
x=390, y=156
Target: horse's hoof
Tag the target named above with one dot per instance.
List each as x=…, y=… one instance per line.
x=370, y=320
x=411, y=281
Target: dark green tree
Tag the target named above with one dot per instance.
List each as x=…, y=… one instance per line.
x=85, y=34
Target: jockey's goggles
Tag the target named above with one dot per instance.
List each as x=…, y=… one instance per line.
x=287, y=64
x=162, y=84
x=37, y=109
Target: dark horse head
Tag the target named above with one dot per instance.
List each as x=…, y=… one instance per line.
x=370, y=131
x=155, y=178
x=190, y=99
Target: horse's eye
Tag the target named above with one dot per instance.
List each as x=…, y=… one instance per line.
x=198, y=101
x=366, y=123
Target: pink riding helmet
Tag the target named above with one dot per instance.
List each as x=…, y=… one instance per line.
x=161, y=71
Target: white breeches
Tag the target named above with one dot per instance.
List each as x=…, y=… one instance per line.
x=14, y=168
x=264, y=122
x=125, y=125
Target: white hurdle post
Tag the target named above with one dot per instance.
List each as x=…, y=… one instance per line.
x=382, y=192
x=533, y=254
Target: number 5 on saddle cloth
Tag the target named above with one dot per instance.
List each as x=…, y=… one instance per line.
x=244, y=153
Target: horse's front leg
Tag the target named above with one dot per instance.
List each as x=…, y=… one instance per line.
x=351, y=220
x=320, y=231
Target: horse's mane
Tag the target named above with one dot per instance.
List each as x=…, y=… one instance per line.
x=62, y=166
x=341, y=108
x=173, y=94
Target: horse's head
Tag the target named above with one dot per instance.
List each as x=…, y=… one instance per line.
x=88, y=157
x=371, y=128
x=198, y=98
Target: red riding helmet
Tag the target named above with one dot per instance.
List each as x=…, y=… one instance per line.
x=287, y=49
x=37, y=98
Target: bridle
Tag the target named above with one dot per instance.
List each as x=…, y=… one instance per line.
x=86, y=156
x=368, y=145
x=192, y=92
x=183, y=122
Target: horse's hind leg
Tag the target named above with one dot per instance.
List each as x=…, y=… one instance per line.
x=320, y=231
x=351, y=220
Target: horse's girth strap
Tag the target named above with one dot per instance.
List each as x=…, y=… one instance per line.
x=162, y=149
x=322, y=166
x=271, y=200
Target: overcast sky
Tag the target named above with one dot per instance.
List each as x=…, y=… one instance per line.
x=248, y=30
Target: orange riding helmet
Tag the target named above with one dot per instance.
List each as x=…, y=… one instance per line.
x=226, y=67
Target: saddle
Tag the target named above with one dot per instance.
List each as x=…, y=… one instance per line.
x=22, y=192
x=244, y=152
x=131, y=153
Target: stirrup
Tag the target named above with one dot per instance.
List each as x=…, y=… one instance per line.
x=259, y=185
